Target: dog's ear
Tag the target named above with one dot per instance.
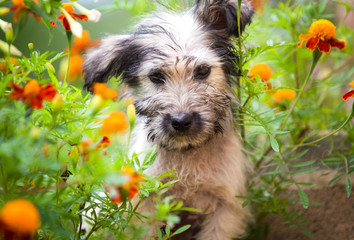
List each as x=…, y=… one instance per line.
x=220, y=16
x=115, y=56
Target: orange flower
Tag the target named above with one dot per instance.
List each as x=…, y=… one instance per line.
x=258, y=4
x=349, y=94
x=20, y=217
x=321, y=34
x=87, y=146
x=68, y=7
x=33, y=93
x=3, y=66
x=262, y=70
x=75, y=67
x=20, y=6
x=129, y=189
x=116, y=122
x=82, y=44
x=105, y=92
x=282, y=94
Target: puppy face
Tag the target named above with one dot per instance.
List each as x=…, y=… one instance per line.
x=179, y=69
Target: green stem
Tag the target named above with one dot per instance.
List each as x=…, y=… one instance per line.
x=240, y=63
x=68, y=35
x=94, y=228
x=332, y=133
x=316, y=56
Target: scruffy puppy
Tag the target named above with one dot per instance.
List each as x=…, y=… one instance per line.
x=179, y=67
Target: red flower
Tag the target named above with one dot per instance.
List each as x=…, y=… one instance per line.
x=349, y=94
x=129, y=189
x=68, y=7
x=321, y=34
x=33, y=93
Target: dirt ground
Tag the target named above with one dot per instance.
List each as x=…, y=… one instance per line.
x=332, y=220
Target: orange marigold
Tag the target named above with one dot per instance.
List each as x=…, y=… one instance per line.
x=75, y=67
x=349, y=94
x=105, y=92
x=82, y=44
x=33, y=93
x=20, y=216
x=262, y=70
x=68, y=7
x=282, y=94
x=321, y=34
x=115, y=122
x=129, y=189
x=19, y=7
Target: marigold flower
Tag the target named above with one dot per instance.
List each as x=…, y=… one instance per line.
x=321, y=34
x=105, y=92
x=75, y=67
x=283, y=94
x=20, y=217
x=33, y=93
x=349, y=94
x=129, y=189
x=115, y=122
x=3, y=66
x=262, y=70
x=82, y=44
x=19, y=7
x=68, y=7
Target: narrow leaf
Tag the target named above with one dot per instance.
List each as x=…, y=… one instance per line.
x=304, y=200
x=274, y=143
x=181, y=229
x=303, y=164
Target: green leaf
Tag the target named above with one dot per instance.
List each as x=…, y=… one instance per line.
x=304, y=200
x=306, y=170
x=159, y=233
x=181, y=230
x=303, y=164
x=336, y=178
x=348, y=186
x=274, y=143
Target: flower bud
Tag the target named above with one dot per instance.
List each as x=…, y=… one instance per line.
x=97, y=103
x=131, y=113
x=58, y=103
x=7, y=28
x=50, y=68
x=30, y=47
x=4, y=10
x=74, y=154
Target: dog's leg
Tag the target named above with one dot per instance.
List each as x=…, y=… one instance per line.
x=227, y=222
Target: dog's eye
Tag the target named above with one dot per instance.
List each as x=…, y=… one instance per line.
x=202, y=72
x=157, y=77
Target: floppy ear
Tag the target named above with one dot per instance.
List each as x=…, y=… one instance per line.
x=115, y=56
x=220, y=16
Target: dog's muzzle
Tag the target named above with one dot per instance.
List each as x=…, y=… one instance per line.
x=182, y=122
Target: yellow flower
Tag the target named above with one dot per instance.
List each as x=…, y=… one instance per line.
x=321, y=34
x=20, y=216
x=262, y=70
x=282, y=94
x=116, y=122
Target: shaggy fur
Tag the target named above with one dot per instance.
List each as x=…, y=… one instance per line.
x=179, y=67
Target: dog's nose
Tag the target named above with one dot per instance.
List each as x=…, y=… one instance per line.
x=182, y=122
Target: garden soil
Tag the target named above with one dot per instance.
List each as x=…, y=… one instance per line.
x=332, y=220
